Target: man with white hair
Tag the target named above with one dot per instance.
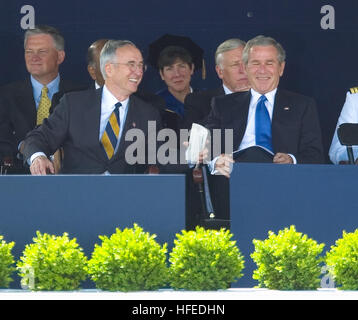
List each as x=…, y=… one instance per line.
x=230, y=69
x=91, y=125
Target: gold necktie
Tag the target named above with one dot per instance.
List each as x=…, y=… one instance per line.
x=43, y=110
x=110, y=136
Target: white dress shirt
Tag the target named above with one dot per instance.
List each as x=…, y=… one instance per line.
x=249, y=138
x=227, y=90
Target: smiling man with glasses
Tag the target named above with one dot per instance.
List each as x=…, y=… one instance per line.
x=87, y=124
x=133, y=66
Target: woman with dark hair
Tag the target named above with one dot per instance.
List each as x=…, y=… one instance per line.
x=175, y=68
x=176, y=58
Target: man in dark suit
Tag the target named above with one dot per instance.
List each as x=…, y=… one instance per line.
x=292, y=130
x=81, y=120
x=229, y=68
x=19, y=101
x=94, y=70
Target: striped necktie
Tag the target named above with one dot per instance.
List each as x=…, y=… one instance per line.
x=110, y=136
x=43, y=110
x=263, y=125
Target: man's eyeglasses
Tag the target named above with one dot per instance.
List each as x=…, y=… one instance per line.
x=133, y=66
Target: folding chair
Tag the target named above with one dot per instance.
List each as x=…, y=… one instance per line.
x=348, y=136
x=208, y=217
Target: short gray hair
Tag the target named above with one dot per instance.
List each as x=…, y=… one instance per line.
x=265, y=42
x=227, y=45
x=108, y=52
x=58, y=40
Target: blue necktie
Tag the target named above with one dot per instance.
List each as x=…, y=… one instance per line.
x=263, y=125
x=110, y=136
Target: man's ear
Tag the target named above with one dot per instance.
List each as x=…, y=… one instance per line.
x=108, y=69
x=60, y=56
x=219, y=71
x=282, y=68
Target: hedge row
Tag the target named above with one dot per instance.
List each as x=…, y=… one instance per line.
x=131, y=259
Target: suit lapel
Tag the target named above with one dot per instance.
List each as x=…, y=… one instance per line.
x=240, y=114
x=25, y=102
x=64, y=87
x=218, y=91
x=92, y=118
x=277, y=109
x=283, y=120
x=283, y=109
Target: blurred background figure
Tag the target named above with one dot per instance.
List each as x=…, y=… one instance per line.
x=93, y=68
x=230, y=69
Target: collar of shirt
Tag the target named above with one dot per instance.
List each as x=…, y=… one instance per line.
x=227, y=90
x=270, y=96
x=53, y=87
x=249, y=138
x=107, y=106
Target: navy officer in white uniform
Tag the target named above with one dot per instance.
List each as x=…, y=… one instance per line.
x=349, y=114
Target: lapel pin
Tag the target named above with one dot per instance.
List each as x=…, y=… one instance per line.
x=286, y=108
x=133, y=124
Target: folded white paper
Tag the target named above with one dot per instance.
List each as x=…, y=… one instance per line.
x=197, y=142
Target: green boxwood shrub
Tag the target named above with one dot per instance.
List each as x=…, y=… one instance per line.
x=287, y=261
x=342, y=261
x=129, y=260
x=204, y=260
x=6, y=262
x=52, y=263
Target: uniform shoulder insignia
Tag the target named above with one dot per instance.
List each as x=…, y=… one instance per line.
x=354, y=90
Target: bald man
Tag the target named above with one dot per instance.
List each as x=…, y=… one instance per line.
x=93, y=68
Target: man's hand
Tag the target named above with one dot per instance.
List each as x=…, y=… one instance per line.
x=42, y=166
x=282, y=158
x=223, y=164
x=203, y=154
